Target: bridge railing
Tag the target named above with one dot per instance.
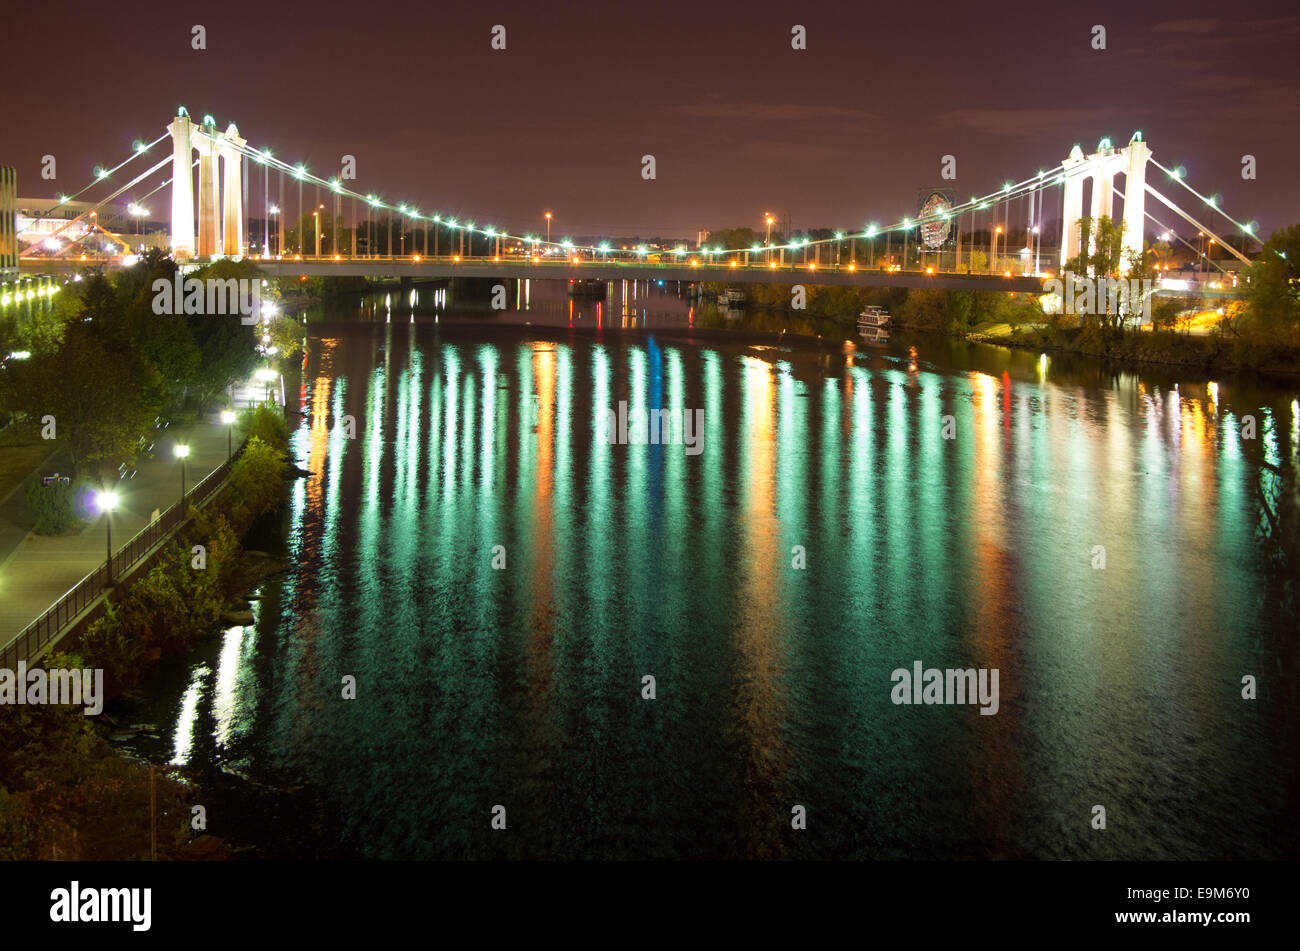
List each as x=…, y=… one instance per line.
x=51, y=625
x=760, y=261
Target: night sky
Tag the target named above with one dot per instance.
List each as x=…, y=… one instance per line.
x=739, y=123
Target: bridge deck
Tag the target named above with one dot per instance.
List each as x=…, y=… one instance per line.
x=505, y=267
x=418, y=267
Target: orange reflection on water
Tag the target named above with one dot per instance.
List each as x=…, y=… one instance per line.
x=760, y=705
x=543, y=529
x=995, y=592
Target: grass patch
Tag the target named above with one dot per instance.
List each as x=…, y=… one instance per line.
x=19, y=459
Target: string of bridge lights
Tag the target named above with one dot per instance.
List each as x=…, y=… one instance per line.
x=299, y=172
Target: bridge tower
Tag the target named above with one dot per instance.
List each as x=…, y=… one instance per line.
x=1102, y=166
x=233, y=197
x=1073, y=204
x=1103, y=188
x=1135, y=195
x=209, y=190
x=182, y=185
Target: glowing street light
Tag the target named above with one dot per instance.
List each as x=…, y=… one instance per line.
x=182, y=452
x=548, y=227
x=106, y=501
x=267, y=375
x=228, y=417
x=272, y=211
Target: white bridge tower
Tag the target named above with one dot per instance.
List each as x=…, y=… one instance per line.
x=1102, y=166
x=221, y=216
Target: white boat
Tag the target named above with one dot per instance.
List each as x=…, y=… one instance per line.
x=873, y=318
x=731, y=297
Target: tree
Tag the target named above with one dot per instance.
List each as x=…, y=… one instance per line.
x=226, y=356
x=120, y=314
x=1273, y=290
x=303, y=234
x=256, y=480
x=286, y=336
x=1108, y=247
x=98, y=397
x=731, y=238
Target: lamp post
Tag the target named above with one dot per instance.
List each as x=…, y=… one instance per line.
x=228, y=417
x=316, y=216
x=993, y=257
x=182, y=453
x=107, y=501
x=274, y=212
x=548, y=227
x=266, y=375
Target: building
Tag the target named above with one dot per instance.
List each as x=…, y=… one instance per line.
x=8, y=222
x=45, y=227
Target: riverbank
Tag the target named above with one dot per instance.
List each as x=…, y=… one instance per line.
x=67, y=792
x=1160, y=348
x=1017, y=320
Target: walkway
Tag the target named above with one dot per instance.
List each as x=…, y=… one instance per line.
x=37, y=570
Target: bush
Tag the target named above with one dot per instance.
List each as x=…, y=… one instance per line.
x=66, y=794
x=171, y=604
x=60, y=507
x=256, y=478
x=266, y=424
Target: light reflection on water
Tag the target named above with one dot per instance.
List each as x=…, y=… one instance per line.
x=522, y=685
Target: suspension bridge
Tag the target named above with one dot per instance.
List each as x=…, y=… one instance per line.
x=235, y=212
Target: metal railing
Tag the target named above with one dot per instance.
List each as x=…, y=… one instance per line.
x=51, y=625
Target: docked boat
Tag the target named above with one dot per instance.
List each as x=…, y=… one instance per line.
x=873, y=318
x=732, y=297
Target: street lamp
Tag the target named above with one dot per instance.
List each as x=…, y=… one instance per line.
x=316, y=215
x=266, y=375
x=548, y=227
x=182, y=453
x=228, y=417
x=994, y=255
x=106, y=501
x=274, y=211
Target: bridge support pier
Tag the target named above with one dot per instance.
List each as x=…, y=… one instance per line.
x=1135, y=194
x=233, y=192
x=182, y=186
x=209, y=195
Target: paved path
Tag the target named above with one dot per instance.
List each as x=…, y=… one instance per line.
x=35, y=570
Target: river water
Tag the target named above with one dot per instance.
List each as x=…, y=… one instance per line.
x=499, y=580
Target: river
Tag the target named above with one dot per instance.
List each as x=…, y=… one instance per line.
x=499, y=580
